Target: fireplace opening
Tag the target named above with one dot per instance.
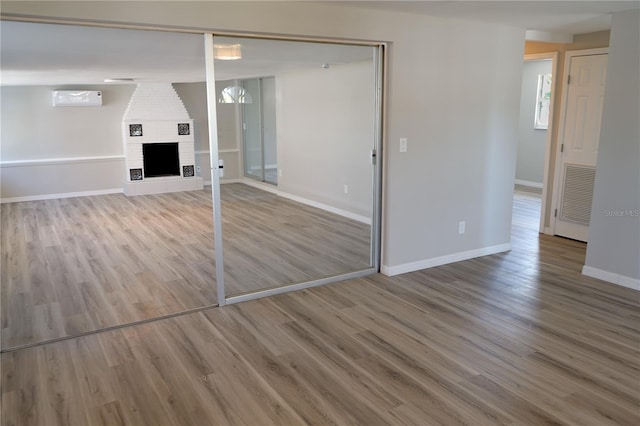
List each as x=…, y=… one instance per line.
x=160, y=159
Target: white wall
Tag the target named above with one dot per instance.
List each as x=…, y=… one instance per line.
x=325, y=121
x=613, y=251
x=531, y=142
x=47, y=150
x=33, y=129
x=194, y=97
x=453, y=91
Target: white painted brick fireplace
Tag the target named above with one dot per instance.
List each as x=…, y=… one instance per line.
x=157, y=123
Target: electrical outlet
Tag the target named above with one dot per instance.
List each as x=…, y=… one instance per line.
x=346, y=189
x=461, y=227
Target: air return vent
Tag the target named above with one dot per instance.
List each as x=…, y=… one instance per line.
x=577, y=193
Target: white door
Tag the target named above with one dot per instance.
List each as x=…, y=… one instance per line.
x=579, y=145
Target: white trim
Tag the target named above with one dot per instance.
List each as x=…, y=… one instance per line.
x=56, y=161
x=529, y=183
x=548, y=56
x=553, y=56
x=260, y=185
x=222, y=151
x=222, y=181
x=611, y=277
x=61, y=195
x=587, y=52
x=301, y=286
x=272, y=189
x=443, y=260
x=345, y=213
x=547, y=230
x=214, y=161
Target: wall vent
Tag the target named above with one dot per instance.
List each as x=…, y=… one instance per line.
x=577, y=193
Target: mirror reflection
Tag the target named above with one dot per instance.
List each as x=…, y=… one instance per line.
x=297, y=191
x=105, y=217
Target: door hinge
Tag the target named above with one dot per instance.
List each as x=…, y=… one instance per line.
x=569, y=79
x=373, y=157
x=555, y=214
x=561, y=147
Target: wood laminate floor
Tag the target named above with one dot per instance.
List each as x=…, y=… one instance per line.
x=519, y=338
x=75, y=265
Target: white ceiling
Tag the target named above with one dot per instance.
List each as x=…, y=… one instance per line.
x=553, y=16
x=47, y=54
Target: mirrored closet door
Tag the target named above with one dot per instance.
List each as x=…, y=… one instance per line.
x=303, y=210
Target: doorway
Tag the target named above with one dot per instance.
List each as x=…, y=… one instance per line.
x=535, y=133
x=259, y=140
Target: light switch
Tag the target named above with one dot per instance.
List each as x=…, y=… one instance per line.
x=403, y=144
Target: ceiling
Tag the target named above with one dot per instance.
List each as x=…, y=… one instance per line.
x=551, y=16
x=48, y=54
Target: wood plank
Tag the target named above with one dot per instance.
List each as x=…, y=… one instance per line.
x=516, y=338
x=108, y=260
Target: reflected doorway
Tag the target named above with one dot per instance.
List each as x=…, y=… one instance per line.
x=260, y=150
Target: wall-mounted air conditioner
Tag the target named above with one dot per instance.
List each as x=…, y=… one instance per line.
x=76, y=98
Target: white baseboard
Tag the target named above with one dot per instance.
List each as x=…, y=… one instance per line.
x=223, y=182
x=529, y=183
x=274, y=190
x=260, y=185
x=226, y=181
x=62, y=195
x=321, y=206
x=443, y=260
x=611, y=277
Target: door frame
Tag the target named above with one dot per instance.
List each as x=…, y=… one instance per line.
x=557, y=173
x=553, y=56
x=243, y=131
x=380, y=67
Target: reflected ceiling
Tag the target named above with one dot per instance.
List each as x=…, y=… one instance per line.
x=47, y=54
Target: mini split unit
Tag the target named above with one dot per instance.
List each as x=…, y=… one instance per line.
x=76, y=98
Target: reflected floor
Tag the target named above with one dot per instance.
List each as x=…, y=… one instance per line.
x=76, y=265
x=270, y=241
